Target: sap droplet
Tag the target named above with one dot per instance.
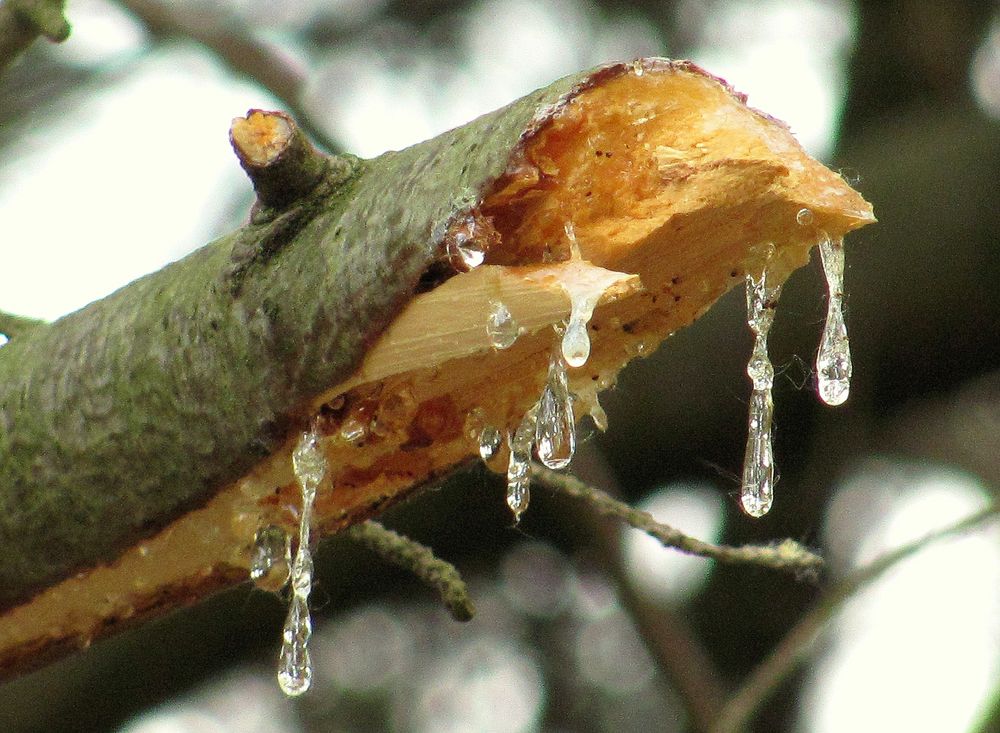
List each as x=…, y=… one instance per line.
x=270, y=558
x=294, y=664
x=833, y=360
x=309, y=461
x=757, y=485
x=501, y=326
x=464, y=250
x=519, y=465
x=805, y=217
x=757, y=492
x=353, y=430
x=576, y=342
x=490, y=440
x=555, y=427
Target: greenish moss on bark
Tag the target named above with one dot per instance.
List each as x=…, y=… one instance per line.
x=119, y=417
x=22, y=21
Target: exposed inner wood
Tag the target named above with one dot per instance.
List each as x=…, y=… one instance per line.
x=665, y=176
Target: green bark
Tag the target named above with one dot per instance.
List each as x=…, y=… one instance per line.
x=22, y=21
x=119, y=417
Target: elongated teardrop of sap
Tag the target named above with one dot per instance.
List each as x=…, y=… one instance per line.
x=757, y=490
x=555, y=427
x=757, y=485
x=833, y=360
x=270, y=558
x=576, y=340
x=294, y=664
x=501, y=327
x=519, y=465
x=490, y=439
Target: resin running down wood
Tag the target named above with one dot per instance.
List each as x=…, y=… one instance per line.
x=294, y=664
x=833, y=360
x=757, y=488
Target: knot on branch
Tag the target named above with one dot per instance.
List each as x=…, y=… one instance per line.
x=292, y=180
x=281, y=162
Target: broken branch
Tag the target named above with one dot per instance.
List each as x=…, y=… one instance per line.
x=145, y=438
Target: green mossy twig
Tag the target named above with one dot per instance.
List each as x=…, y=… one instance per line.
x=421, y=561
x=787, y=555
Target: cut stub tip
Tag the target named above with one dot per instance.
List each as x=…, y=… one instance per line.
x=277, y=156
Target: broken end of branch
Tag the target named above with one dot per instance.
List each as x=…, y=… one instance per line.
x=277, y=156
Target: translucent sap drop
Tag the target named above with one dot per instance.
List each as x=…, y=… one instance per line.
x=294, y=666
x=519, y=465
x=555, y=427
x=270, y=558
x=805, y=217
x=464, y=251
x=576, y=340
x=757, y=485
x=353, y=430
x=833, y=361
x=490, y=440
x=501, y=326
x=758, y=462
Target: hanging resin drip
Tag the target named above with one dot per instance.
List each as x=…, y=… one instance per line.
x=270, y=558
x=833, y=361
x=501, y=327
x=757, y=489
x=294, y=665
x=490, y=440
x=519, y=464
x=555, y=428
x=576, y=340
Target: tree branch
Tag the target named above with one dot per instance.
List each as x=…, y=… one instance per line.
x=145, y=438
x=12, y=325
x=795, y=646
x=234, y=44
x=22, y=21
x=788, y=555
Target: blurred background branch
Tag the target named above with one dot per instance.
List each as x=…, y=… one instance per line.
x=225, y=35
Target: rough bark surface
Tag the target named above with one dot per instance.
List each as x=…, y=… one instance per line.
x=183, y=389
